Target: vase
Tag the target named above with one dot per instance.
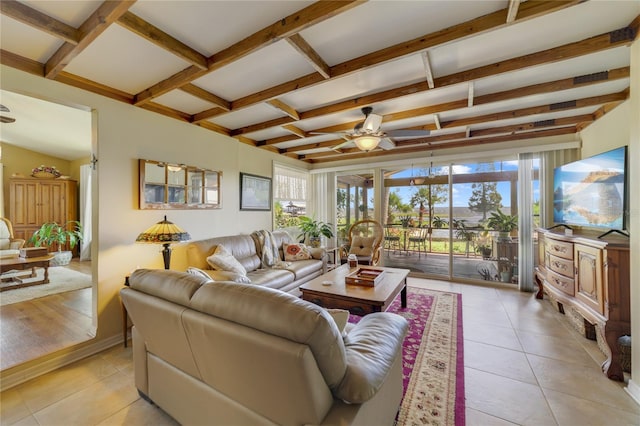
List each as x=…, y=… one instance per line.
x=61, y=258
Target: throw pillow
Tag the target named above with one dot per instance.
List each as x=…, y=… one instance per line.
x=341, y=317
x=198, y=272
x=223, y=260
x=295, y=251
x=362, y=246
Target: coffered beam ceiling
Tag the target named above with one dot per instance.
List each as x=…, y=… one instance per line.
x=293, y=140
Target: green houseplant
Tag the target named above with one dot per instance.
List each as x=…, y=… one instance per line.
x=503, y=223
x=313, y=229
x=51, y=233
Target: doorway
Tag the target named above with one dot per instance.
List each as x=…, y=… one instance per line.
x=46, y=318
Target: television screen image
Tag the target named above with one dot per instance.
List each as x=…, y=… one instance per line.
x=591, y=192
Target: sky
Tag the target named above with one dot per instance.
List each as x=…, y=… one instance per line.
x=462, y=192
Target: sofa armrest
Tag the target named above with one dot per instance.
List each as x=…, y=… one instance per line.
x=319, y=253
x=372, y=346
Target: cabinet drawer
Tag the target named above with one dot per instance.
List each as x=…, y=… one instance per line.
x=561, y=266
x=560, y=249
x=565, y=284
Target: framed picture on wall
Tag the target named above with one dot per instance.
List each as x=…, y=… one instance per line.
x=255, y=192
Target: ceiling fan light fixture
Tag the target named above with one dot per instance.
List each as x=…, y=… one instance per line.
x=367, y=142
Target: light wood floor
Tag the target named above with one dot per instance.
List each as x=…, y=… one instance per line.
x=45, y=325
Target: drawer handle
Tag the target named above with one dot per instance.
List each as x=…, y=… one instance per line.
x=560, y=249
x=560, y=265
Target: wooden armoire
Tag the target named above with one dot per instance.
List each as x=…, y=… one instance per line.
x=34, y=201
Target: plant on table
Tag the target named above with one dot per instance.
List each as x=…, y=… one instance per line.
x=313, y=229
x=51, y=233
x=503, y=223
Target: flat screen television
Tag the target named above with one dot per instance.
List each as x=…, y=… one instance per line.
x=592, y=192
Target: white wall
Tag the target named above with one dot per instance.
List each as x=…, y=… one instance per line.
x=126, y=133
x=609, y=132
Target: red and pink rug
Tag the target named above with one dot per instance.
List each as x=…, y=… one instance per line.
x=433, y=358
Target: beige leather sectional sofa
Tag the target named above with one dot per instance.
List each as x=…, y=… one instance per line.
x=222, y=353
x=287, y=277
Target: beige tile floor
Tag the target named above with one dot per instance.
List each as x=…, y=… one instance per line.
x=524, y=365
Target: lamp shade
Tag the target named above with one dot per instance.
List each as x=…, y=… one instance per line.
x=163, y=232
x=367, y=143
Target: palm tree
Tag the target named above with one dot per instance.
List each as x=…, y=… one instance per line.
x=420, y=198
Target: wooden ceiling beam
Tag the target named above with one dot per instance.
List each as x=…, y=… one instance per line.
x=21, y=63
x=533, y=125
x=161, y=39
x=298, y=21
x=198, y=92
x=295, y=130
x=466, y=29
x=355, y=153
x=165, y=110
x=283, y=107
x=571, y=50
x=204, y=115
x=38, y=20
x=316, y=145
x=536, y=89
x=428, y=71
x=94, y=87
x=216, y=128
x=541, y=109
x=303, y=48
x=246, y=141
x=513, y=10
x=106, y=14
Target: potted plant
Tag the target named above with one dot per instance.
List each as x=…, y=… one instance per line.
x=313, y=230
x=503, y=223
x=51, y=233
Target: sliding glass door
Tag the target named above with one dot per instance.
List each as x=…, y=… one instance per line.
x=455, y=222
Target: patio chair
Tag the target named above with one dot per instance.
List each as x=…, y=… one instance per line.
x=418, y=240
x=391, y=238
x=365, y=241
x=9, y=246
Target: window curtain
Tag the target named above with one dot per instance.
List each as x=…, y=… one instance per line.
x=526, y=253
x=290, y=184
x=549, y=160
x=85, y=211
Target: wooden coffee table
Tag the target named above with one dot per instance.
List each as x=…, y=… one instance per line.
x=359, y=300
x=20, y=264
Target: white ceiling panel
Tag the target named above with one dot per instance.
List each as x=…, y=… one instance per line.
x=267, y=67
x=72, y=13
x=247, y=116
x=33, y=44
x=379, y=24
x=211, y=26
x=120, y=59
x=182, y=101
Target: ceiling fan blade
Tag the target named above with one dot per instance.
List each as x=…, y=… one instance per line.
x=342, y=145
x=386, y=144
x=4, y=119
x=407, y=133
x=372, y=123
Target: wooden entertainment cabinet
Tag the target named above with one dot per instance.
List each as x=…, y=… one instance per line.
x=589, y=275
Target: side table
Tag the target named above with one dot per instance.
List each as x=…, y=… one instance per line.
x=125, y=316
x=335, y=260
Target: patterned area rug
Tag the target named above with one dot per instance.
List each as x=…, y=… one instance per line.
x=433, y=358
x=61, y=280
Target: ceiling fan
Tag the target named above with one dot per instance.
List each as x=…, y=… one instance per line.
x=367, y=134
x=4, y=118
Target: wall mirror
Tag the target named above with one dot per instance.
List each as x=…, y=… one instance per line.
x=177, y=186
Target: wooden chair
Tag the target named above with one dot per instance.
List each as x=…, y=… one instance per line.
x=365, y=241
x=418, y=239
x=391, y=238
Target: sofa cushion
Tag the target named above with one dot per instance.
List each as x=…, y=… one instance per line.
x=361, y=246
x=272, y=278
x=280, y=314
x=223, y=260
x=372, y=347
x=173, y=286
x=219, y=275
x=295, y=251
x=304, y=268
